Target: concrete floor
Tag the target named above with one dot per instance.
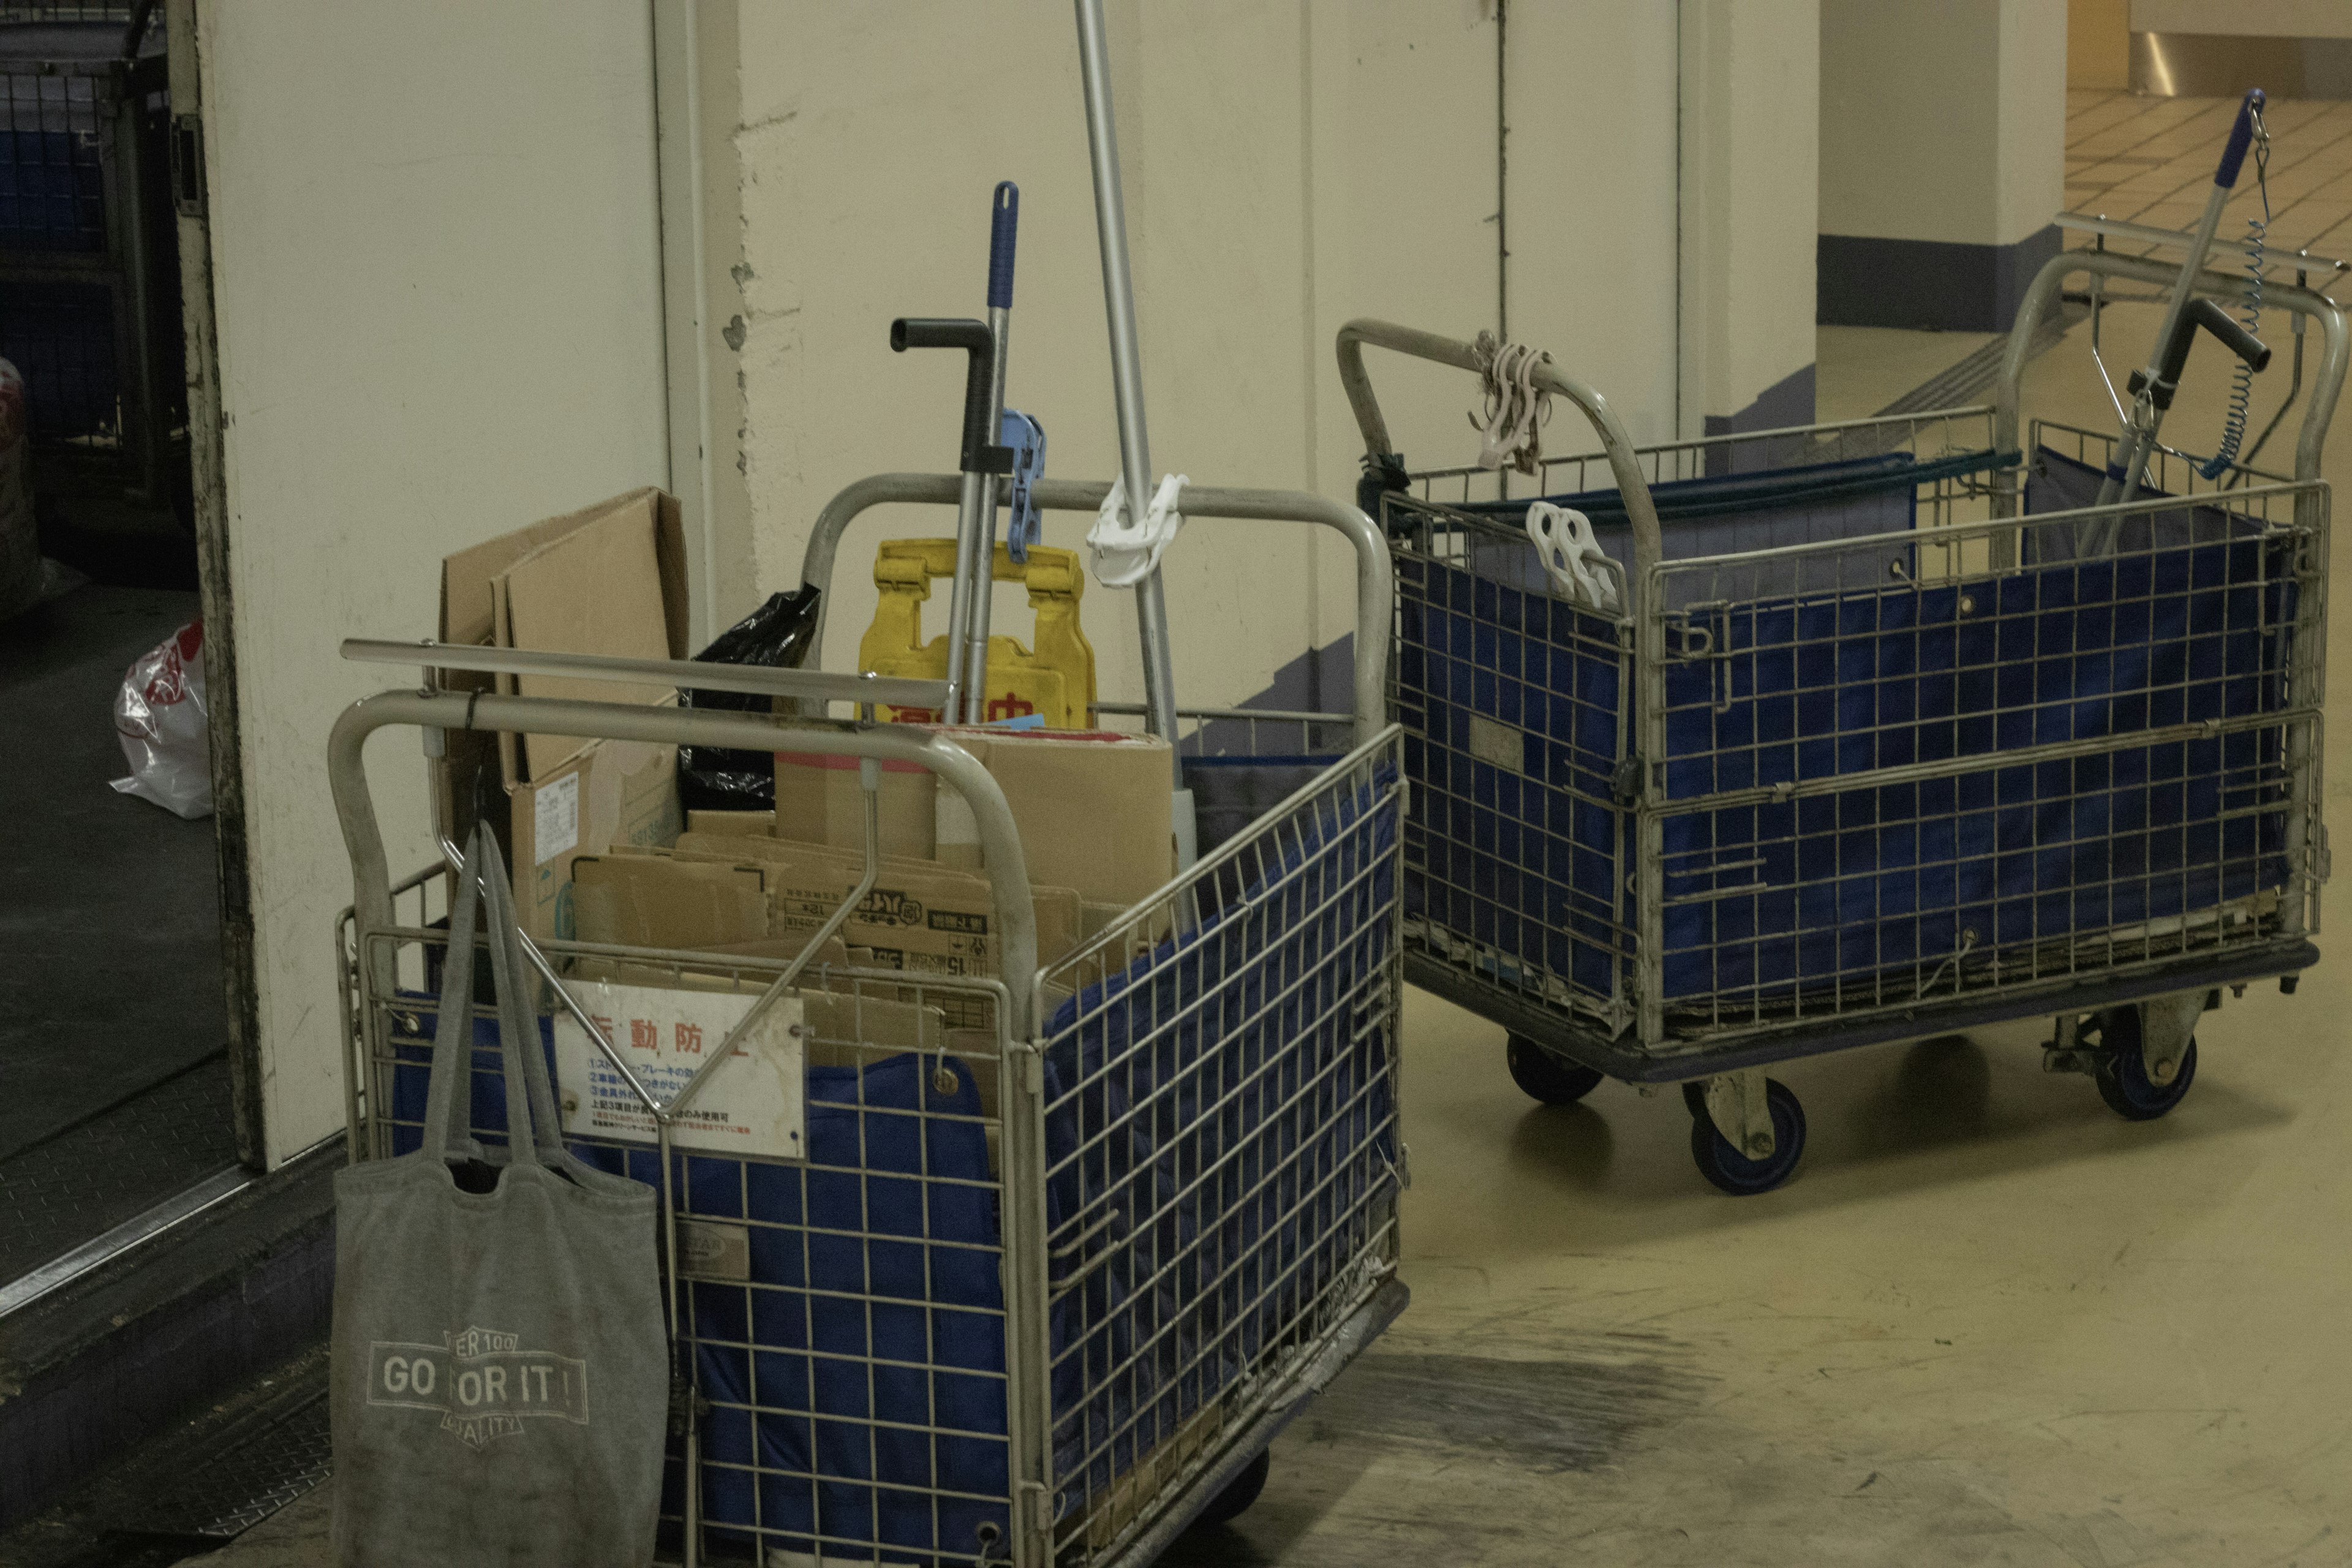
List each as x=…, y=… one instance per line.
x=1988, y=1323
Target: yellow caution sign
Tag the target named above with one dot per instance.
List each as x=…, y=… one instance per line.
x=1057, y=680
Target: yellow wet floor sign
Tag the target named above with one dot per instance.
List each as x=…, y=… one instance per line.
x=1056, y=681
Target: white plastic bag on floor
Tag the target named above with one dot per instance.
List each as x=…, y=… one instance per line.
x=159, y=713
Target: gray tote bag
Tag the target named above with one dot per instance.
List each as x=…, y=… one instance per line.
x=500, y=1377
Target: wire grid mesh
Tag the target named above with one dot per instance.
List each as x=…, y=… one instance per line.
x=57, y=307
x=845, y=1314
x=1827, y=845
x=28, y=11
x=52, y=165
x=1222, y=1163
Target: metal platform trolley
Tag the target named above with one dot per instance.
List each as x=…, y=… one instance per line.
x=1728, y=752
x=1065, y=1246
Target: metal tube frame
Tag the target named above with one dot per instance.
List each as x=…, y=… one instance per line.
x=1650, y=629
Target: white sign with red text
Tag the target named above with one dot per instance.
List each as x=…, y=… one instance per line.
x=751, y=1106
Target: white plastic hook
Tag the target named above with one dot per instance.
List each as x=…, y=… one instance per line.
x=1126, y=549
x=1571, y=555
x=1515, y=407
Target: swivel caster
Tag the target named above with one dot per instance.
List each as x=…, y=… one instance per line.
x=1545, y=1076
x=1736, y=1171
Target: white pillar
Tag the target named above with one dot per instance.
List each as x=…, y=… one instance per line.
x=1942, y=158
x=1748, y=129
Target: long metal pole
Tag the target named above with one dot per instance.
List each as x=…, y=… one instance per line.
x=2139, y=432
x=1127, y=380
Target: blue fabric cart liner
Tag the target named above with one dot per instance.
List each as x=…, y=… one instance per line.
x=1867, y=884
x=884, y=1251
x=1870, y=498
x=1217, y=1126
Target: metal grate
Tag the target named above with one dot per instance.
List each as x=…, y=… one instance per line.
x=52, y=167
x=229, y=1492
x=1880, y=759
x=1221, y=1130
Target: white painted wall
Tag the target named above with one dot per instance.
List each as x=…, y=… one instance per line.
x=437, y=281
x=1942, y=119
x=1288, y=166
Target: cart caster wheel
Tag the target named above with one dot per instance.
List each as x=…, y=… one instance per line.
x=2121, y=1073
x=1734, y=1171
x=1239, y=1493
x=1546, y=1077
x=1695, y=1096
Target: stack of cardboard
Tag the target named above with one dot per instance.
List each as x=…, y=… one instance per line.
x=595, y=836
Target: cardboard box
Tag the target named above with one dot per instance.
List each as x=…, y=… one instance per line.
x=1092, y=809
x=819, y=800
x=759, y=824
x=645, y=901
x=919, y=916
x=616, y=793
x=608, y=579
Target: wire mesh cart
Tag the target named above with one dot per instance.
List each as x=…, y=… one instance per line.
x=1855, y=733
x=1065, y=1246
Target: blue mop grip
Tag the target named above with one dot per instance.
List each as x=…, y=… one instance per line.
x=2242, y=136
x=1007, y=207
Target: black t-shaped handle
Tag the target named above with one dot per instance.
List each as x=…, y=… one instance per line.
x=981, y=454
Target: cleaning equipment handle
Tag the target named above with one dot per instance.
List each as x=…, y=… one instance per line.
x=2231, y=332
x=2241, y=137
x=999, y=245
x=976, y=561
x=979, y=456
x=1126, y=385
x=2147, y=416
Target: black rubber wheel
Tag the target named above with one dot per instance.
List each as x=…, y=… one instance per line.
x=1546, y=1077
x=1239, y=1493
x=2122, y=1074
x=1695, y=1096
x=1734, y=1171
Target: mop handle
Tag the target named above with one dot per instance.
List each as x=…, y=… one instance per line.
x=1002, y=226
x=976, y=553
x=2123, y=476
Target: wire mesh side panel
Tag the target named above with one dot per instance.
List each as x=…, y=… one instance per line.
x=843, y=1315
x=57, y=309
x=1221, y=1166
x=1891, y=792
x=1514, y=705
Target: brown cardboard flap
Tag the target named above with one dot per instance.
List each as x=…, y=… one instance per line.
x=820, y=800
x=643, y=900
x=1092, y=811
x=612, y=797
x=739, y=824
x=920, y=914
x=594, y=589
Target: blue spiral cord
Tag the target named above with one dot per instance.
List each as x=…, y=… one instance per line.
x=2241, y=388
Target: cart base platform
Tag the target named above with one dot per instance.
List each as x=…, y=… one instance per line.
x=1580, y=1043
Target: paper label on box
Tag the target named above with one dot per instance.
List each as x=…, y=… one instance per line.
x=753, y=1105
x=555, y=819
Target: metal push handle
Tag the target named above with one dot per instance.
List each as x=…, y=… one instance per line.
x=1000, y=840
x=1639, y=511
x=2042, y=298
x=1375, y=574
x=756, y=680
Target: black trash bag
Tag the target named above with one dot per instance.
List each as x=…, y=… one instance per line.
x=777, y=636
